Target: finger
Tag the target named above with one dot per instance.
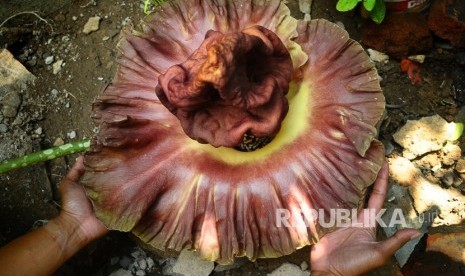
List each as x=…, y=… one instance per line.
x=77, y=170
x=389, y=246
x=379, y=189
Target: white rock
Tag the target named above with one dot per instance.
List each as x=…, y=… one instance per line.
x=428, y=134
x=378, y=56
x=71, y=135
x=150, y=262
x=305, y=6
x=142, y=264
x=38, y=131
x=190, y=264
x=49, y=60
x=287, y=269
x=74, y=18
x=59, y=142
x=417, y=58
x=304, y=265
x=121, y=272
x=92, y=25
x=57, y=66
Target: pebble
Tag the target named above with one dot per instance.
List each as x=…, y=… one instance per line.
x=49, y=60
x=71, y=135
x=54, y=92
x=288, y=269
x=150, y=263
x=142, y=264
x=417, y=58
x=3, y=128
x=125, y=262
x=59, y=142
x=448, y=179
x=140, y=273
x=57, y=66
x=189, y=263
x=105, y=38
x=121, y=272
x=11, y=102
x=92, y=25
x=38, y=131
x=378, y=56
x=304, y=265
x=74, y=18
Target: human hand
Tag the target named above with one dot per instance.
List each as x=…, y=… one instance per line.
x=76, y=213
x=354, y=250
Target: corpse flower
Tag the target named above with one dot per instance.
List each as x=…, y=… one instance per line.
x=225, y=115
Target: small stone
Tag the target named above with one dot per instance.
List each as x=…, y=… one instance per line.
x=378, y=56
x=49, y=60
x=305, y=6
x=142, y=264
x=125, y=262
x=38, y=131
x=57, y=66
x=304, y=265
x=105, y=38
x=448, y=179
x=11, y=102
x=140, y=273
x=100, y=78
x=417, y=58
x=150, y=263
x=92, y=25
x=3, y=128
x=121, y=272
x=460, y=166
x=74, y=18
x=18, y=121
x=288, y=269
x=189, y=263
x=457, y=182
x=32, y=61
x=71, y=135
x=135, y=254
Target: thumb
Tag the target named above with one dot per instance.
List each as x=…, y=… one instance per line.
x=401, y=237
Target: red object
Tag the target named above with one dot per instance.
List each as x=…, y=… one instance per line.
x=413, y=70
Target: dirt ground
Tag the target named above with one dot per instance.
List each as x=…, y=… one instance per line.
x=58, y=107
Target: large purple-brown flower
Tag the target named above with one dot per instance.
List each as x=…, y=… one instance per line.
x=221, y=114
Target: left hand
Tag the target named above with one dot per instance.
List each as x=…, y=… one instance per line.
x=354, y=250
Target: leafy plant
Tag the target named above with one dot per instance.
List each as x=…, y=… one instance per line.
x=375, y=8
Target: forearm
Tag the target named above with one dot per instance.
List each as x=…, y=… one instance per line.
x=42, y=251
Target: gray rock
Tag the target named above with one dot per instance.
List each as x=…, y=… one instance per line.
x=125, y=262
x=3, y=128
x=190, y=264
x=11, y=101
x=56, y=67
x=287, y=269
x=121, y=272
x=448, y=179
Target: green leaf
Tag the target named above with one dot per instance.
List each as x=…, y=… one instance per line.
x=369, y=4
x=346, y=5
x=378, y=12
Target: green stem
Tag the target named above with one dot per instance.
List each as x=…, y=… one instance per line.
x=44, y=155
